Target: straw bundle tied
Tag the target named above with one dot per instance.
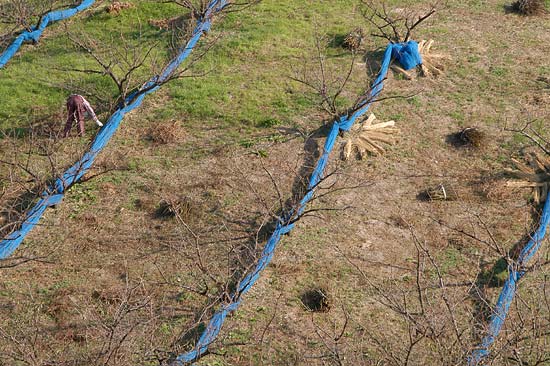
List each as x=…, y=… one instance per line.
x=368, y=138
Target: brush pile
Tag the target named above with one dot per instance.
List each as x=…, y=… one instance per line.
x=528, y=7
x=368, y=138
x=353, y=40
x=316, y=300
x=442, y=192
x=535, y=174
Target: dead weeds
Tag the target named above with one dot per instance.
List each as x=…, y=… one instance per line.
x=117, y=6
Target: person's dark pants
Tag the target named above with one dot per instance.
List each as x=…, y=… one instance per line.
x=75, y=111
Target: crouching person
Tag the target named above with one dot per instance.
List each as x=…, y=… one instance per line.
x=77, y=108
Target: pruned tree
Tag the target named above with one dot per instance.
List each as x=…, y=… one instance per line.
x=396, y=25
x=127, y=65
x=198, y=7
x=324, y=77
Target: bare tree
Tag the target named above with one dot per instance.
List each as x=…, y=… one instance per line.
x=324, y=77
x=130, y=64
x=396, y=25
x=198, y=7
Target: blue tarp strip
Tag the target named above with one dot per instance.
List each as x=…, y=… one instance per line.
x=53, y=194
x=515, y=272
x=407, y=54
x=37, y=31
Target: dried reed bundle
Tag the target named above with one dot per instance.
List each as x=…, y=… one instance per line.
x=368, y=138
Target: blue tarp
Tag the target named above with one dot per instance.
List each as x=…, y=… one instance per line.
x=36, y=32
x=515, y=272
x=53, y=195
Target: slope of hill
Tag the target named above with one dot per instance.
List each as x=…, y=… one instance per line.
x=112, y=276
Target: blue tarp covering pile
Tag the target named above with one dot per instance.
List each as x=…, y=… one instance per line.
x=35, y=34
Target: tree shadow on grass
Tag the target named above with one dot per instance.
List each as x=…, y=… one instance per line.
x=247, y=254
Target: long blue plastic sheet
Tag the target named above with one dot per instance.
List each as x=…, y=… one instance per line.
x=35, y=34
x=515, y=272
x=408, y=56
x=53, y=194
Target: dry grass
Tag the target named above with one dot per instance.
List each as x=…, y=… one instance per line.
x=182, y=207
x=166, y=133
x=92, y=259
x=117, y=6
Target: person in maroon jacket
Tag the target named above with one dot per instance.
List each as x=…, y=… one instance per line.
x=77, y=108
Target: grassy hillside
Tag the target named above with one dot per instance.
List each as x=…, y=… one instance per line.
x=109, y=277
